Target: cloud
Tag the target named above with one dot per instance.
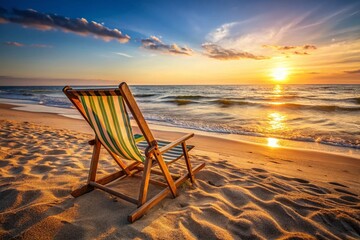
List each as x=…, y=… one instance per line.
x=41, y=46
x=217, y=52
x=297, y=50
x=154, y=43
x=17, y=44
x=43, y=21
x=14, y=44
x=357, y=71
x=221, y=32
x=284, y=48
x=309, y=47
x=124, y=54
x=300, y=53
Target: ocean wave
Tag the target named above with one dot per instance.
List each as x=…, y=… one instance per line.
x=350, y=100
x=181, y=102
x=324, y=108
x=229, y=102
x=286, y=97
x=190, y=97
x=225, y=102
x=145, y=95
x=354, y=100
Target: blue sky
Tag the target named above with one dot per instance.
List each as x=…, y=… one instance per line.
x=178, y=42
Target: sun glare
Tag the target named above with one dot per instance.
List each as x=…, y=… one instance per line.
x=273, y=142
x=280, y=74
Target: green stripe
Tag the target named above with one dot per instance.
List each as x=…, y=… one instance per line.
x=99, y=127
x=86, y=110
x=89, y=114
x=130, y=135
x=118, y=129
x=108, y=128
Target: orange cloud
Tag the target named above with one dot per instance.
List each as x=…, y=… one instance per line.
x=154, y=43
x=215, y=51
x=297, y=50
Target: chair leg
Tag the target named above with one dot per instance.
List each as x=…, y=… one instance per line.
x=166, y=172
x=188, y=163
x=140, y=211
x=94, y=160
x=145, y=182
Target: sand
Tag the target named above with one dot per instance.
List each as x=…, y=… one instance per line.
x=245, y=191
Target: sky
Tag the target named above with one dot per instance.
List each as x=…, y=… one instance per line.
x=179, y=42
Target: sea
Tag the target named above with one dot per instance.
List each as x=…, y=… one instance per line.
x=319, y=117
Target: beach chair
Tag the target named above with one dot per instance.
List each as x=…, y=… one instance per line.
x=105, y=110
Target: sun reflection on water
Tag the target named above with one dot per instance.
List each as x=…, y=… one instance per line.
x=276, y=121
x=276, y=125
x=273, y=142
x=277, y=90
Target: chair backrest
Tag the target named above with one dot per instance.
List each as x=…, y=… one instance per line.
x=105, y=111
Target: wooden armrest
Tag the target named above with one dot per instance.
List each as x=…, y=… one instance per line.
x=176, y=142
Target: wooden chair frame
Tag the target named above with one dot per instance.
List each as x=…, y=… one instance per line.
x=153, y=155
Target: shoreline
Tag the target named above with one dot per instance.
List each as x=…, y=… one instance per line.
x=20, y=105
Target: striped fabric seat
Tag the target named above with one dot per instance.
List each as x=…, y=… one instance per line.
x=169, y=156
x=109, y=119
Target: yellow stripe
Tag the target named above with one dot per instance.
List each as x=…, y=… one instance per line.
x=123, y=129
x=108, y=138
x=117, y=145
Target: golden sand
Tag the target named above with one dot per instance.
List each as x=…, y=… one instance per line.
x=245, y=191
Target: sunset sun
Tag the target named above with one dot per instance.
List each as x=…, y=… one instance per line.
x=280, y=74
